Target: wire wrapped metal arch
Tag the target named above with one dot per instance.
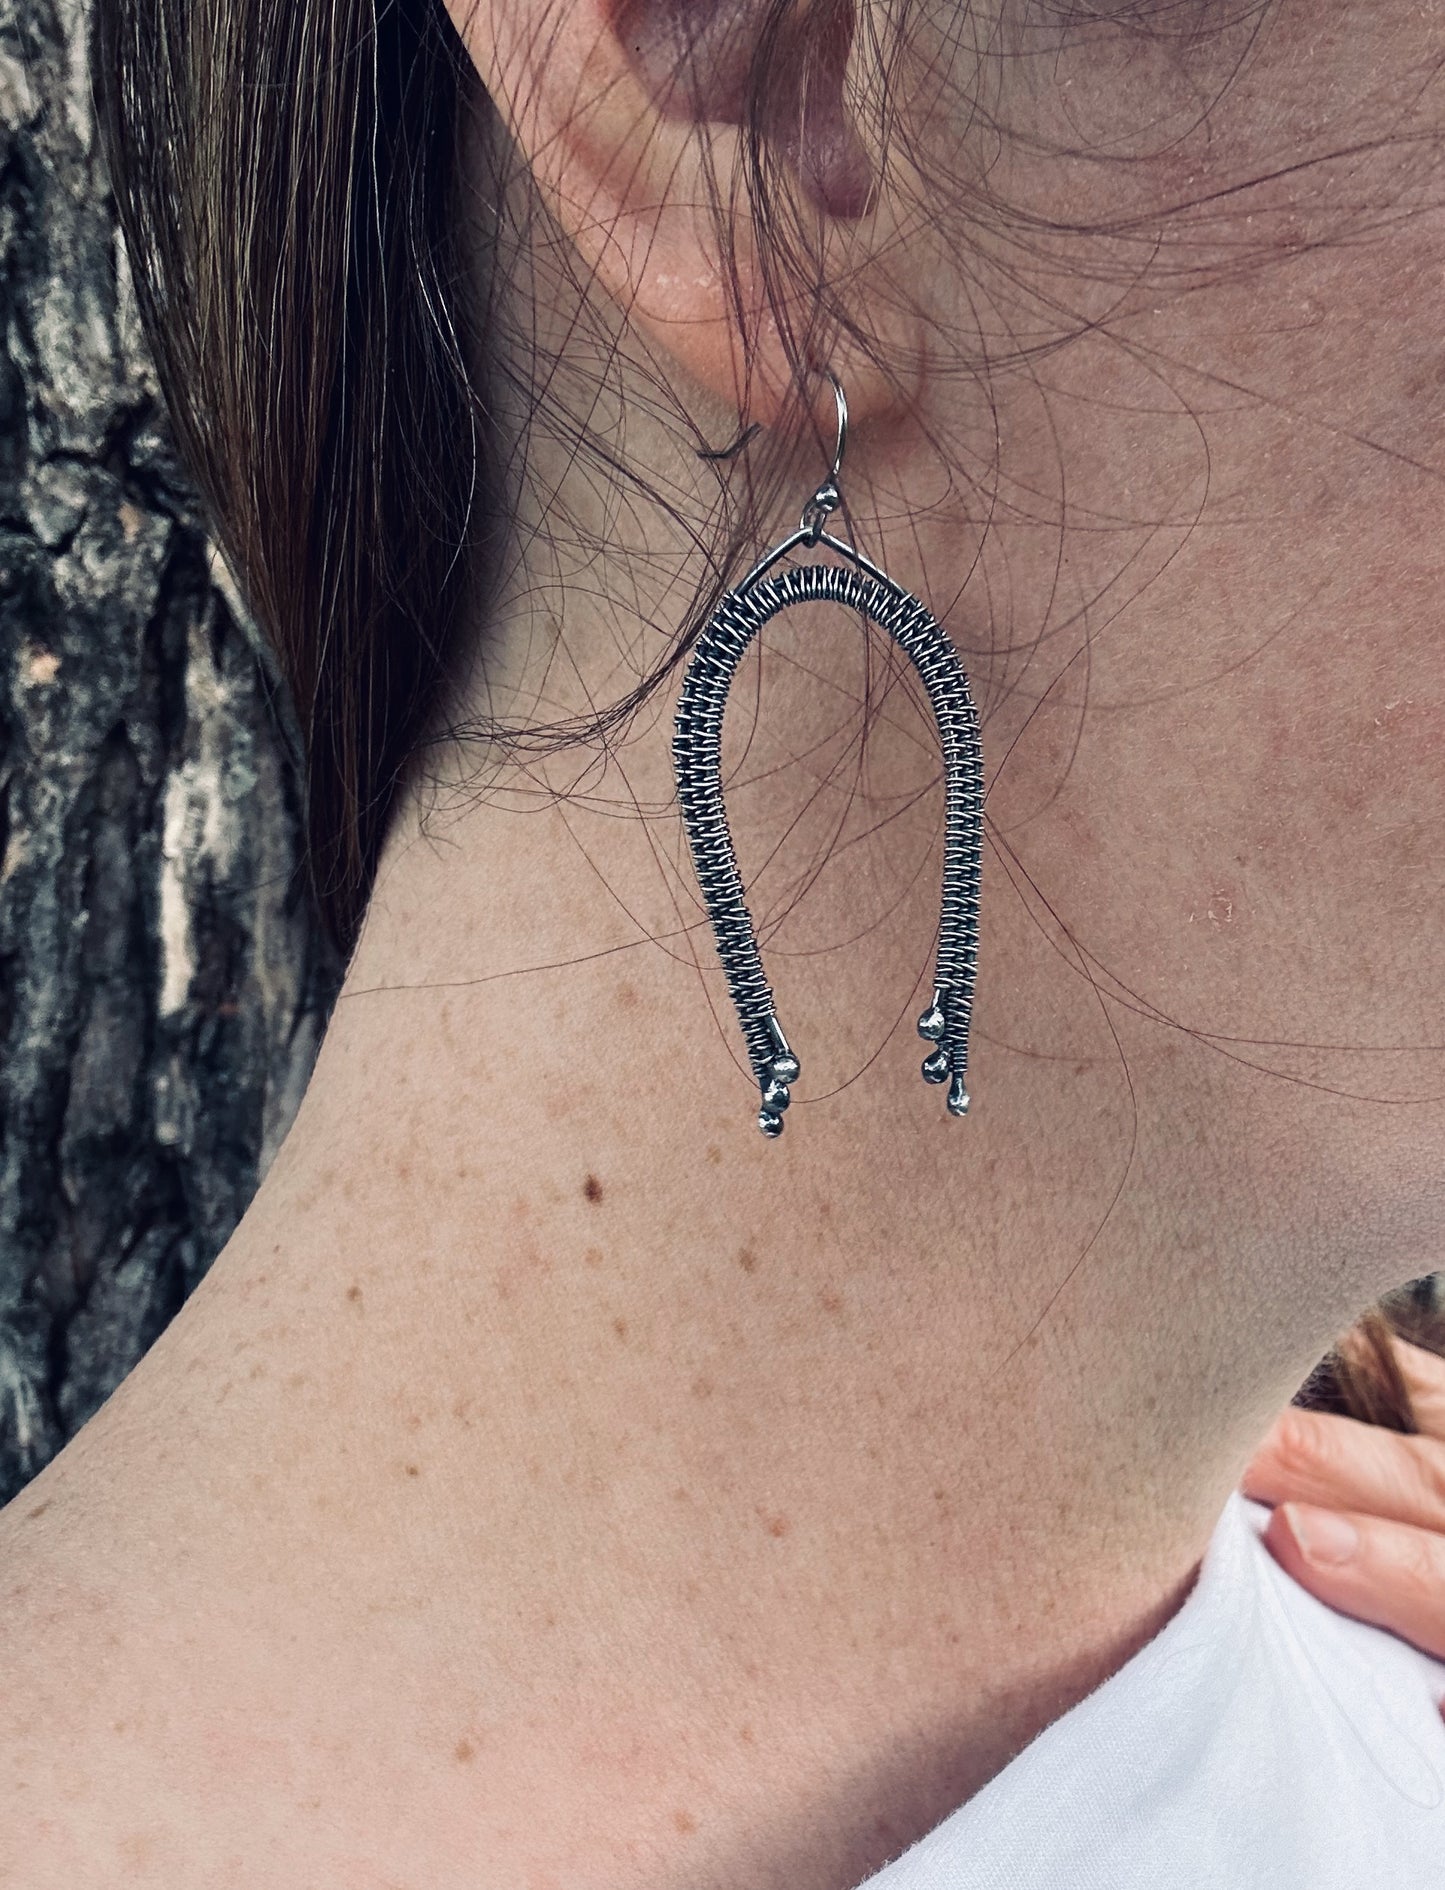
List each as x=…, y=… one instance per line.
x=857, y=585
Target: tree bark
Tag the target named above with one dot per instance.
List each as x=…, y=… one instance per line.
x=163, y=981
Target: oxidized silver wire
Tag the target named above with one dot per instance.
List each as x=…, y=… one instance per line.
x=697, y=758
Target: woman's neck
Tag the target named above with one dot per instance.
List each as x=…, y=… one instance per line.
x=645, y=1502
x=561, y=1470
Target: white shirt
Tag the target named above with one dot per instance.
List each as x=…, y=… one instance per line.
x=1258, y=1742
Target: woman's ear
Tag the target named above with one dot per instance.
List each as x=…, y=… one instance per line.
x=700, y=59
x=631, y=115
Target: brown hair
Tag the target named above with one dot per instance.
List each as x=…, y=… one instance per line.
x=1361, y=1376
x=285, y=179
x=288, y=183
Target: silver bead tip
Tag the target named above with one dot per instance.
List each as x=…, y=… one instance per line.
x=935, y=1068
x=958, y=1098
x=932, y=1024
x=771, y=1123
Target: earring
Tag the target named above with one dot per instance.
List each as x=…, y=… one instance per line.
x=859, y=585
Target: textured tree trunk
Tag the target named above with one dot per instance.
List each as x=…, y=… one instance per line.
x=163, y=984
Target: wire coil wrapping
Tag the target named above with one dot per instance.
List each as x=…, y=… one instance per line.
x=858, y=585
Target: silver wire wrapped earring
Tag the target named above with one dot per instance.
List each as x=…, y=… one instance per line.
x=858, y=585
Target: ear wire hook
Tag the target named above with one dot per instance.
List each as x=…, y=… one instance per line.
x=829, y=496
x=859, y=585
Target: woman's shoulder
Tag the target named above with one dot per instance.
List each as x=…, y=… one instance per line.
x=180, y=1715
x=1259, y=1740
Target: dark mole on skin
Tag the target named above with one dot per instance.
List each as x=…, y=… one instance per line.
x=684, y=1821
x=39, y=1510
x=619, y=1326
x=592, y=1188
x=353, y=1292
x=412, y=1470
x=464, y=1752
x=748, y=1260
x=593, y=1257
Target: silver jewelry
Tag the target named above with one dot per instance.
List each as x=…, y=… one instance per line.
x=859, y=585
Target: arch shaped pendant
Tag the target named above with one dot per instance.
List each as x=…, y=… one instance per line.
x=857, y=584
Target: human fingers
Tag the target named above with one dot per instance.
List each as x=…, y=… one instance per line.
x=1339, y=1463
x=1391, y=1574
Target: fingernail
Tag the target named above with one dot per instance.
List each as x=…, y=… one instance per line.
x=1323, y=1535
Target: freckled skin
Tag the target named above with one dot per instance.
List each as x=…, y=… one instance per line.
x=1235, y=725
